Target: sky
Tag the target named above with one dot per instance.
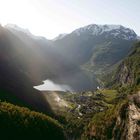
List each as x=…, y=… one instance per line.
x=52, y=17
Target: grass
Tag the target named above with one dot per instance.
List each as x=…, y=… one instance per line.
x=109, y=95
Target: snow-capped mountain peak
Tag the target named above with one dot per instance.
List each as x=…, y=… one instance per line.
x=114, y=30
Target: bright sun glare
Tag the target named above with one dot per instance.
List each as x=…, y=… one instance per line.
x=50, y=17
x=27, y=14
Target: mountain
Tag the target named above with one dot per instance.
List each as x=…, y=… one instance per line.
x=20, y=69
x=87, y=41
x=96, y=49
x=117, y=31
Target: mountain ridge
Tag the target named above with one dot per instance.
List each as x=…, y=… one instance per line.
x=94, y=29
x=98, y=29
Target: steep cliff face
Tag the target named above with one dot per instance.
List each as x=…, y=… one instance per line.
x=133, y=125
x=130, y=123
x=127, y=74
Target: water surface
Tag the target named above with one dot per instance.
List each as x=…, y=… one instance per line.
x=49, y=85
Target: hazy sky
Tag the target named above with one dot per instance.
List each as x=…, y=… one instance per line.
x=52, y=17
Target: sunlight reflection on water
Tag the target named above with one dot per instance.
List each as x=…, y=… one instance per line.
x=49, y=85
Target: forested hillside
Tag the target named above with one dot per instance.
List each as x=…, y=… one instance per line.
x=21, y=123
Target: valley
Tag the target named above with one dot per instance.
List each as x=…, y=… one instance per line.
x=82, y=90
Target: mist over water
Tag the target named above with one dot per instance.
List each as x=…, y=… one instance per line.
x=49, y=85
